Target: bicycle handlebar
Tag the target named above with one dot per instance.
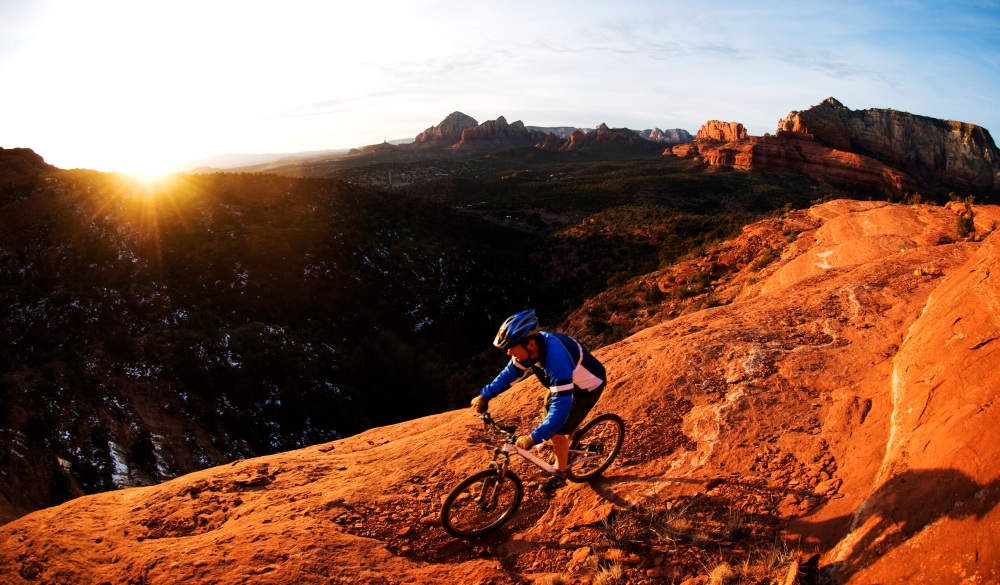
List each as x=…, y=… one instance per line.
x=509, y=430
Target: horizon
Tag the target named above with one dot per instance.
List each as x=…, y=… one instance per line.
x=116, y=86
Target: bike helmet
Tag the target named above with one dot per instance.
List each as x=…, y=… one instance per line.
x=516, y=328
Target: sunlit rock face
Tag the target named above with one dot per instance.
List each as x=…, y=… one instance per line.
x=943, y=154
x=883, y=151
x=721, y=131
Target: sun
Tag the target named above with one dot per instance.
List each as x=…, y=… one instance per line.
x=149, y=173
x=149, y=184
x=145, y=164
x=150, y=178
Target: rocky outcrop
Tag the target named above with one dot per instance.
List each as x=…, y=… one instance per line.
x=942, y=154
x=576, y=141
x=707, y=138
x=605, y=138
x=721, y=131
x=20, y=164
x=552, y=142
x=20, y=168
x=881, y=151
x=781, y=155
x=448, y=132
x=672, y=136
x=382, y=148
x=498, y=133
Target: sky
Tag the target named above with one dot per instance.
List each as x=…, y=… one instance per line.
x=146, y=87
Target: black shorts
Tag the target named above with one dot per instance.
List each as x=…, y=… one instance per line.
x=583, y=403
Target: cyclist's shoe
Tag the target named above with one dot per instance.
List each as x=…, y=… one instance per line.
x=555, y=482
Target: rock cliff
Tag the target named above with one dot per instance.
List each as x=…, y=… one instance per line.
x=495, y=134
x=841, y=401
x=884, y=151
x=945, y=155
x=780, y=155
x=721, y=131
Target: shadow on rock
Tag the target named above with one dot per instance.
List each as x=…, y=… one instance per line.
x=898, y=509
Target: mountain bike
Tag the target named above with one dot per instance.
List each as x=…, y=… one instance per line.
x=487, y=499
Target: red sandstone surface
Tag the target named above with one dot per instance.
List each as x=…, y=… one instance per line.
x=722, y=131
x=844, y=404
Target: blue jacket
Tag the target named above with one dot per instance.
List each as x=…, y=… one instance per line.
x=563, y=365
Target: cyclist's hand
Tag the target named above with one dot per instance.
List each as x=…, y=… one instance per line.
x=524, y=442
x=480, y=403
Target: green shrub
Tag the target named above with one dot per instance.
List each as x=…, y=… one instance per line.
x=655, y=294
x=967, y=224
x=767, y=256
x=698, y=283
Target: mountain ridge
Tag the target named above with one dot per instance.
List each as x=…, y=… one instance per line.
x=929, y=158
x=895, y=153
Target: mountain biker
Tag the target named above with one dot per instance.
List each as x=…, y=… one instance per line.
x=574, y=377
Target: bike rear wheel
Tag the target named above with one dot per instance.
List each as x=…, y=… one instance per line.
x=481, y=503
x=595, y=447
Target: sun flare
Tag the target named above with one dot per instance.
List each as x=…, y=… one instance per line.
x=150, y=178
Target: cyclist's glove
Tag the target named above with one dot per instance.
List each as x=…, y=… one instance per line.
x=480, y=403
x=525, y=442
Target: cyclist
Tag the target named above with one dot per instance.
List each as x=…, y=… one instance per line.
x=574, y=377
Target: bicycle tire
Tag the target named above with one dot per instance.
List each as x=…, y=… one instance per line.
x=463, y=514
x=602, y=437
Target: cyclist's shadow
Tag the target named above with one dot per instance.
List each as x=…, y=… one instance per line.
x=899, y=509
x=603, y=486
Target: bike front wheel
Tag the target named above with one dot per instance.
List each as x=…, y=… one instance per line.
x=481, y=503
x=595, y=447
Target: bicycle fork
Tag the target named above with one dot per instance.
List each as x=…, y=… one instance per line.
x=490, y=491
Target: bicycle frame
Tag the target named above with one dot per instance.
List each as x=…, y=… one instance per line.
x=509, y=447
x=527, y=454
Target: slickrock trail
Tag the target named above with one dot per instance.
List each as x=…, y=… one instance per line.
x=844, y=404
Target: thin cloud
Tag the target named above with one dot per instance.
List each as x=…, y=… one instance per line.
x=833, y=68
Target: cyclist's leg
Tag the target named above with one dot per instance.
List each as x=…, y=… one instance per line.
x=560, y=446
x=583, y=403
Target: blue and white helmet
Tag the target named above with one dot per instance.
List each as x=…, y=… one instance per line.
x=516, y=328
